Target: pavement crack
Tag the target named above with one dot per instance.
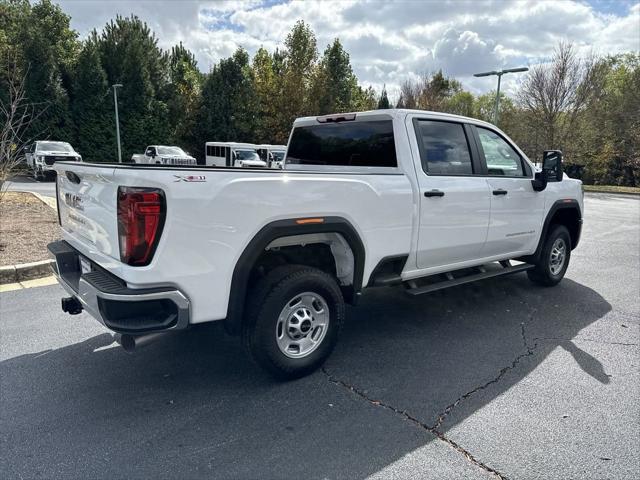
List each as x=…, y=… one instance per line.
x=407, y=416
x=529, y=350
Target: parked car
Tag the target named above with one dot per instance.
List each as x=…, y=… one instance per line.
x=41, y=155
x=164, y=155
x=272, y=154
x=407, y=198
x=231, y=154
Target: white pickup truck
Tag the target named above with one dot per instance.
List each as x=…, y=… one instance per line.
x=412, y=199
x=41, y=155
x=164, y=155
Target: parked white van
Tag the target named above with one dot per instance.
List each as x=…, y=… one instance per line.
x=231, y=154
x=272, y=154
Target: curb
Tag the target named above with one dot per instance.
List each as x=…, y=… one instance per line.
x=25, y=271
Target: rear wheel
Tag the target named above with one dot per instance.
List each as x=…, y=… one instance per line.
x=554, y=258
x=293, y=319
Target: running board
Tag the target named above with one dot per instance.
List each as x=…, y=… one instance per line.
x=468, y=279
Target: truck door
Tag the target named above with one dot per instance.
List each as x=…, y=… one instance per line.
x=454, y=197
x=516, y=209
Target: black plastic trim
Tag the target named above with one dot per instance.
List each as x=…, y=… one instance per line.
x=379, y=277
x=568, y=203
x=285, y=228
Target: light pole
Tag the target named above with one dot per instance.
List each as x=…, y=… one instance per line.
x=115, y=101
x=499, y=73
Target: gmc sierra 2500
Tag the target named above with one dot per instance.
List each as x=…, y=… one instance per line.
x=407, y=198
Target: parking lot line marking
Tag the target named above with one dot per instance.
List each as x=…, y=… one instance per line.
x=9, y=287
x=39, y=282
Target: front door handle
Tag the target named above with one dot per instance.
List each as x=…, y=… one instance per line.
x=500, y=191
x=434, y=193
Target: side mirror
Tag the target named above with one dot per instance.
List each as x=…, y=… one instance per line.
x=552, y=165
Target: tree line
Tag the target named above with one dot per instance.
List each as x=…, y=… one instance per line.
x=587, y=107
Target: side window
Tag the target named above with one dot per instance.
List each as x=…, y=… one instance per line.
x=501, y=158
x=444, y=149
x=367, y=143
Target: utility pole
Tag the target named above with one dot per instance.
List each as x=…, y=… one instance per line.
x=499, y=74
x=115, y=101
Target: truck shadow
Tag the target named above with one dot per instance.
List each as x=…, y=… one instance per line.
x=192, y=405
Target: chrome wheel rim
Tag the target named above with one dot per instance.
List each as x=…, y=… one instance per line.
x=558, y=256
x=302, y=325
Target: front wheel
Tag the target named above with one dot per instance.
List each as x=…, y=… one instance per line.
x=293, y=319
x=554, y=258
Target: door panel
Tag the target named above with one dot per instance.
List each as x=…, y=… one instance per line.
x=454, y=213
x=453, y=228
x=515, y=216
x=516, y=209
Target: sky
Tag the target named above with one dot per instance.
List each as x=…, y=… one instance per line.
x=388, y=41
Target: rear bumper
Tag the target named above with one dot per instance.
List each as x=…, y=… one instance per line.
x=108, y=299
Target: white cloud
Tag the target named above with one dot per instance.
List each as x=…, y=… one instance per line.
x=387, y=41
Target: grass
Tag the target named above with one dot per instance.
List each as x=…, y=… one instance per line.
x=611, y=189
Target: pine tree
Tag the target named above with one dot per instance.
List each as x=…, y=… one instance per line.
x=92, y=107
x=383, y=102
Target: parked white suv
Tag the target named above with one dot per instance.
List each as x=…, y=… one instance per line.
x=43, y=154
x=164, y=155
x=413, y=199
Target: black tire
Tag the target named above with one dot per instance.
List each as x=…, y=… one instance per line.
x=543, y=273
x=267, y=300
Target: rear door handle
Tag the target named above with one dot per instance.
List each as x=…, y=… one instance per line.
x=434, y=193
x=500, y=191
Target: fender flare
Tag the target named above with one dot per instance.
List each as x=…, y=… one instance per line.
x=285, y=228
x=558, y=205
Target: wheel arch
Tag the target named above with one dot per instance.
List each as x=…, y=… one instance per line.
x=289, y=228
x=563, y=212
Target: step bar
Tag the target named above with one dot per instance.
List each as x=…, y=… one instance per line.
x=483, y=274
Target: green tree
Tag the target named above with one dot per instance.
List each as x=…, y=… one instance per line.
x=299, y=60
x=183, y=93
x=334, y=82
x=460, y=103
x=383, y=102
x=92, y=106
x=131, y=56
x=227, y=108
x=47, y=52
x=266, y=82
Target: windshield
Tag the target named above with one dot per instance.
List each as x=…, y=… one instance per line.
x=171, y=151
x=277, y=156
x=247, y=155
x=54, y=147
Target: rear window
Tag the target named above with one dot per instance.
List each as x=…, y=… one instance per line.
x=443, y=148
x=355, y=144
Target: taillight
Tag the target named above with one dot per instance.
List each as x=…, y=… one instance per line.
x=141, y=214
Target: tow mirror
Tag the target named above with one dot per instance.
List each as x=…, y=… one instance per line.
x=552, y=165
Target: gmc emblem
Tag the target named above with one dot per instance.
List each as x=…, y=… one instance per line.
x=74, y=201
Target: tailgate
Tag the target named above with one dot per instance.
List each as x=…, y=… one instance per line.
x=87, y=198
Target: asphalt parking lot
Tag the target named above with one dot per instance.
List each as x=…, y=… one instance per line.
x=494, y=379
